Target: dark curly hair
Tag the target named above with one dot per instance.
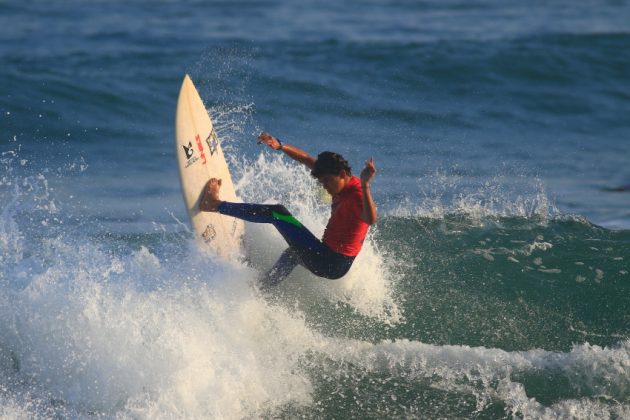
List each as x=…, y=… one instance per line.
x=330, y=163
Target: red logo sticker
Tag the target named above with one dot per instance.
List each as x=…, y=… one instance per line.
x=200, y=147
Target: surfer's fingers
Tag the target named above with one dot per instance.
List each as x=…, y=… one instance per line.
x=265, y=137
x=266, y=140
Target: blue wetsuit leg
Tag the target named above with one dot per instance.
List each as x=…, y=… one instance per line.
x=281, y=269
x=304, y=247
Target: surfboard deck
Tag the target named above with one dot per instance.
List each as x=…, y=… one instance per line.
x=199, y=158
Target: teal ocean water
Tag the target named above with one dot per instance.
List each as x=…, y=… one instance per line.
x=496, y=283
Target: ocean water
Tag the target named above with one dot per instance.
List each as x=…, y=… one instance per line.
x=495, y=284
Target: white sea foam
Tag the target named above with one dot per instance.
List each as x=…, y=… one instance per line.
x=500, y=196
x=148, y=334
x=86, y=330
x=488, y=373
x=126, y=335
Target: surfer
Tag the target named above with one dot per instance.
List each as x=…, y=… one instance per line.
x=353, y=211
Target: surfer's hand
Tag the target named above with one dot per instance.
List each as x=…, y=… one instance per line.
x=368, y=172
x=269, y=140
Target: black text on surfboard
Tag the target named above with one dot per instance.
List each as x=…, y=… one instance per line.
x=190, y=154
x=188, y=150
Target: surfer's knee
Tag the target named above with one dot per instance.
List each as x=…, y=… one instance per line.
x=280, y=209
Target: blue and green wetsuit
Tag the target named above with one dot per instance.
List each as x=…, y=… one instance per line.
x=304, y=248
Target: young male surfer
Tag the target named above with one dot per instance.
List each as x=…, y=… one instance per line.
x=353, y=211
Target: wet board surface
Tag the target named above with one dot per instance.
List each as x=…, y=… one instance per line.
x=200, y=157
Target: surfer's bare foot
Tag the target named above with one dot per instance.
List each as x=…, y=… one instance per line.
x=210, y=200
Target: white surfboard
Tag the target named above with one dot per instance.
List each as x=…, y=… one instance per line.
x=200, y=158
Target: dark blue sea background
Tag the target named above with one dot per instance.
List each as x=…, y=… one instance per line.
x=495, y=283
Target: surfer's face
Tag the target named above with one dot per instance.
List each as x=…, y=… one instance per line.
x=333, y=183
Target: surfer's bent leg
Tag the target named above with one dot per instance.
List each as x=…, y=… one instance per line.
x=311, y=252
x=291, y=229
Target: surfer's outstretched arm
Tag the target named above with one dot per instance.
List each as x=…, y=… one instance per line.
x=293, y=152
